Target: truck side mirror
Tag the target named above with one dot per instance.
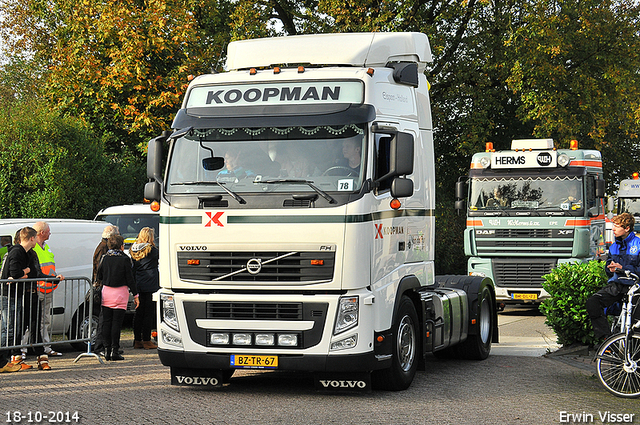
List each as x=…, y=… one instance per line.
x=152, y=191
x=461, y=195
x=600, y=188
x=610, y=205
x=401, y=187
x=154, y=157
x=461, y=190
x=400, y=153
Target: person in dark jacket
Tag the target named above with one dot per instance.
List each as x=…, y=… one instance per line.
x=145, y=270
x=624, y=255
x=18, y=264
x=115, y=272
x=101, y=249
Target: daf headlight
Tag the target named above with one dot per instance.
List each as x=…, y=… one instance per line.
x=485, y=162
x=168, y=311
x=348, y=313
x=563, y=160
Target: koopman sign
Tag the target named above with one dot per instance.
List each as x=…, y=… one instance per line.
x=276, y=94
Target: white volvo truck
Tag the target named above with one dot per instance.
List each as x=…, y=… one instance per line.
x=297, y=219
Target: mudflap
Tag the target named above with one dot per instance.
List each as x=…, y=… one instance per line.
x=338, y=382
x=208, y=378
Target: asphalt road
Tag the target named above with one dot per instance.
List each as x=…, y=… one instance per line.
x=514, y=386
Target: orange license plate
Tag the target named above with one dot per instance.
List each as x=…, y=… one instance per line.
x=242, y=361
x=524, y=296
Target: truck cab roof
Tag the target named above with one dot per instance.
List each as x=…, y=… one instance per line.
x=351, y=49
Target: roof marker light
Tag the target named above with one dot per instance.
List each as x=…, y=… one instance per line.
x=300, y=69
x=253, y=71
x=276, y=70
x=370, y=72
x=395, y=204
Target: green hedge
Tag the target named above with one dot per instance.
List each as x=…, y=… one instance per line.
x=54, y=166
x=569, y=287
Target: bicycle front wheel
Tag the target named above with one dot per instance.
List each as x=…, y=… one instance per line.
x=620, y=376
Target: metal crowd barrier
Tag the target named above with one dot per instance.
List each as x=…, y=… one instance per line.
x=72, y=319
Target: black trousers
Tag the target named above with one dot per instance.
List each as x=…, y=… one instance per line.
x=111, y=327
x=607, y=296
x=145, y=319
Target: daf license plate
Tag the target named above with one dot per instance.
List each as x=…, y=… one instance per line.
x=524, y=296
x=241, y=361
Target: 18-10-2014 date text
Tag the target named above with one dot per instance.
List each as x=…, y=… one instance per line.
x=16, y=417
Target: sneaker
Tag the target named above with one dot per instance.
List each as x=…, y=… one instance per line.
x=43, y=362
x=53, y=353
x=24, y=366
x=10, y=367
x=18, y=361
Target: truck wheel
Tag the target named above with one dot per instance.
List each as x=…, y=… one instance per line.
x=478, y=346
x=405, y=349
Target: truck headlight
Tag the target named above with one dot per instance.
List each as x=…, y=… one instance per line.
x=346, y=343
x=171, y=339
x=563, y=160
x=347, y=316
x=168, y=310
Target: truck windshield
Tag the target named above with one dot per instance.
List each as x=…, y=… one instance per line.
x=548, y=193
x=268, y=159
x=130, y=225
x=630, y=205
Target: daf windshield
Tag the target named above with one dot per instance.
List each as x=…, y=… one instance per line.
x=511, y=194
x=282, y=159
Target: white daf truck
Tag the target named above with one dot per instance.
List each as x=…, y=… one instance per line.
x=627, y=200
x=297, y=219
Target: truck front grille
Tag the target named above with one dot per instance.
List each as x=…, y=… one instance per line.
x=256, y=266
x=521, y=272
x=254, y=311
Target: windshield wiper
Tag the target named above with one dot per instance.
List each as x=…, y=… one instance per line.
x=222, y=185
x=309, y=183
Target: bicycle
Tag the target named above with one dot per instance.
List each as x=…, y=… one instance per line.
x=618, y=358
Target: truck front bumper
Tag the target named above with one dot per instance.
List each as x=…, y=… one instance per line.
x=363, y=362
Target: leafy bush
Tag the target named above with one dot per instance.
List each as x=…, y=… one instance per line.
x=54, y=166
x=569, y=287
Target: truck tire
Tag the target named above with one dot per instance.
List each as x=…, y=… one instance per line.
x=405, y=349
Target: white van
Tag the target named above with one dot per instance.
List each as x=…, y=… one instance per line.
x=130, y=219
x=73, y=243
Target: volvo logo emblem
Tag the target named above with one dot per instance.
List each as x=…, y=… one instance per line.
x=254, y=266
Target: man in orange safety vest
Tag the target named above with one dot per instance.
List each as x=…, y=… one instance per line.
x=46, y=288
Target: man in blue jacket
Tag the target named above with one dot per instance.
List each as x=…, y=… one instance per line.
x=624, y=255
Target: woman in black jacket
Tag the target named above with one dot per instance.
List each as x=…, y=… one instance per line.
x=116, y=274
x=145, y=269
